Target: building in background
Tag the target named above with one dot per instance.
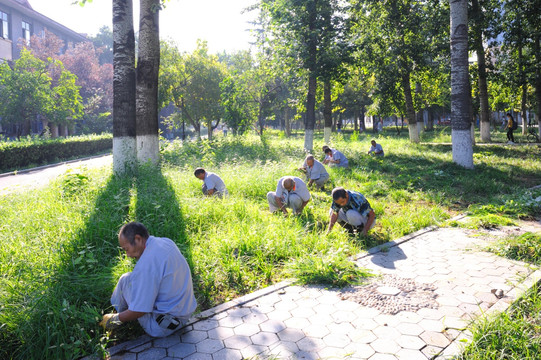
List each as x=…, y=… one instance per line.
x=18, y=22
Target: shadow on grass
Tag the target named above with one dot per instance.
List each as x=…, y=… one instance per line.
x=62, y=321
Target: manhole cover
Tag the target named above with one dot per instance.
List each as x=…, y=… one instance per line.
x=391, y=294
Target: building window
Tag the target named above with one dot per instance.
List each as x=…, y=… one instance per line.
x=26, y=32
x=4, y=25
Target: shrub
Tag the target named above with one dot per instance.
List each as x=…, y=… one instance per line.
x=21, y=154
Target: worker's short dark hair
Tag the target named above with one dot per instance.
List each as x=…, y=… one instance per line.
x=328, y=150
x=325, y=147
x=338, y=193
x=199, y=171
x=129, y=230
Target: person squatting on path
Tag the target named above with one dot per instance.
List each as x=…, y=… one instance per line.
x=315, y=172
x=376, y=149
x=291, y=192
x=213, y=185
x=352, y=211
x=159, y=291
x=334, y=157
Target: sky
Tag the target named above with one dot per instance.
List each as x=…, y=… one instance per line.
x=219, y=22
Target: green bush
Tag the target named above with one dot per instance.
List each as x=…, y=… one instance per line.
x=21, y=154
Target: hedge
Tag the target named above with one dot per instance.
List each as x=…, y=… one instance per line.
x=22, y=154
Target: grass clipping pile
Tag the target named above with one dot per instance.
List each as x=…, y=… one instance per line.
x=391, y=294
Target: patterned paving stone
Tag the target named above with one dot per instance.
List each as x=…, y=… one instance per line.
x=220, y=333
x=227, y=354
x=361, y=336
x=385, y=346
x=204, y=325
x=181, y=350
x=209, y=346
x=253, y=350
x=316, y=331
x=152, y=354
x=291, y=335
x=264, y=338
x=199, y=356
x=338, y=340
x=434, y=338
x=237, y=342
x=246, y=329
x=363, y=351
x=410, y=342
x=311, y=344
x=193, y=337
x=407, y=354
x=274, y=326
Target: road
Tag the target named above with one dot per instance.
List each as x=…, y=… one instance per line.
x=41, y=176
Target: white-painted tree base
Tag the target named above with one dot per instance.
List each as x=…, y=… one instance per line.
x=148, y=149
x=327, y=134
x=414, y=133
x=485, y=132
x=124, y=154
x=462, y=148
x=309, y=140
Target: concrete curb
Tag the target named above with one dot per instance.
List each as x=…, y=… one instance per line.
x=25, y=171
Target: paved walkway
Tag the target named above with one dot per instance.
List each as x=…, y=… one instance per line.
x=435, y=282
x=37, y=177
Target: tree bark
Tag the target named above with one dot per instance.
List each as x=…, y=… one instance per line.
x=538, y=81
x=124, y=134
x=410, y=110
x=430, y=119
x=310, y=120
x=484, y=123
x=148, y=66
x=460, y=96
x=419, y=115
x=327, y=110
x=524, y=87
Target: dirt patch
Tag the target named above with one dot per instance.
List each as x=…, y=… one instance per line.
x=391, y=294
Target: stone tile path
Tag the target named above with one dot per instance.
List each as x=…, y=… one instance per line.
x=440, y=279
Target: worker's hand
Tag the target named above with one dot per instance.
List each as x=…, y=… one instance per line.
x=110, y=321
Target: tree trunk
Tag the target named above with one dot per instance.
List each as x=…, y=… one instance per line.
x=124, y=135
x=327, y=110
x=484, y=123
x=54, y=130
x=524, y=87
x=538, y=81
x=362, y=123
x=419, y=115
x=460, y=96
x=410, y=110
x=310, y=120
x=148, y=66
x=430, y=119
x=287, y=121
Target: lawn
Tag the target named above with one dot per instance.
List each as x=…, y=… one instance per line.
x=60, y=259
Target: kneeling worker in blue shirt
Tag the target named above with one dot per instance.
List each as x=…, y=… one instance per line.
x=159, y=291
x=352, y=211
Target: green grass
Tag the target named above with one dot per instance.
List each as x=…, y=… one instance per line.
x=60, y=259
x=525, y=247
